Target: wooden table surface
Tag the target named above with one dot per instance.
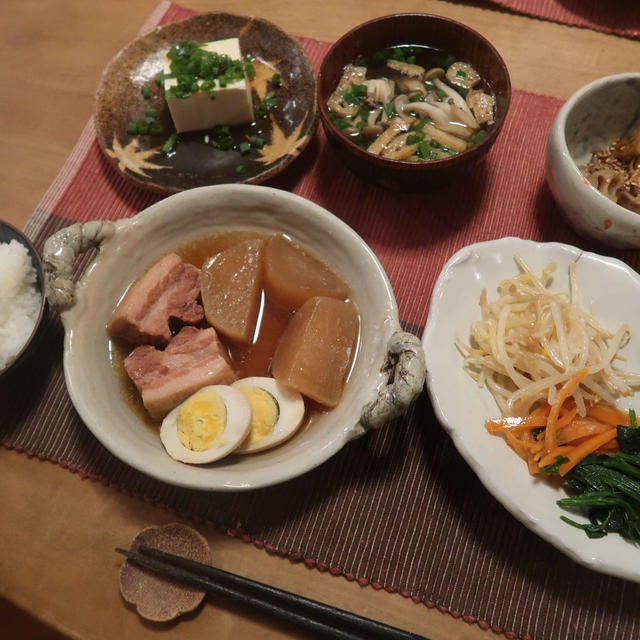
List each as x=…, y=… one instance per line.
x=57, y=531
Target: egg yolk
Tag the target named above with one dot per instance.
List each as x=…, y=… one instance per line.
x=201, y=421
x=264, y=413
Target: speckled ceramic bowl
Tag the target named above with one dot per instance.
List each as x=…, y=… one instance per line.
x=129, y=247
x=286, y=130
x=442, y=33
x=591, y=120
x=7, y=234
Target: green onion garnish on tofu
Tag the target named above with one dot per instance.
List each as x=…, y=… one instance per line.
x=145, y=91
x=170, y=143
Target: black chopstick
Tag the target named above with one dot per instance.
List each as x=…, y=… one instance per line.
x=309, y=614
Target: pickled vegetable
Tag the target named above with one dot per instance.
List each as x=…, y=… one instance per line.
x=315, y=352
x=293, y=275
x=231, y=284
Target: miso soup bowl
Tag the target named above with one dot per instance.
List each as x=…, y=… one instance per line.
x=127, y=248
x=423, y=29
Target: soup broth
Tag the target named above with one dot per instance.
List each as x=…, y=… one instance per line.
x=412, y=103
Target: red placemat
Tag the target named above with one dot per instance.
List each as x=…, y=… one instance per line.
x=621, y=17
x=398, y=509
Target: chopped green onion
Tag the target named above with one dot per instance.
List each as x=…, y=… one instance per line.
x=276, y=80
x=441, y=94
x=146, y=92
x=250, y=70
x=160, y=77
x=170, y=143
x=151, y=112
x=415, y=138
x=241, y=169
x=434, y=143
x=388, y=109
x=422, y=123
x=416, y=97
x=429, y=83
x=463, y=91
x=425, y=152
x=411, y=59
x=461, y=74
x=478, y=137
x=132, y=129
x=244, y=147
x=142, y=127
x=360, y=61
x=256, y=142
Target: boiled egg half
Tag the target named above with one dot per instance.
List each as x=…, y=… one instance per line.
x=277, y=412
x=207, y=426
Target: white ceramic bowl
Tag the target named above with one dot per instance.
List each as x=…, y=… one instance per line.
x=591, y=120
x=137, y=243
x=611, y=291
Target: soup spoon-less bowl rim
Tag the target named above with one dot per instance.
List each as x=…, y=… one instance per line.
x=412, y=170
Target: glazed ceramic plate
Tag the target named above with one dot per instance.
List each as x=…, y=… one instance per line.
x=136, y=244
x=286, y=130
x=611, y=291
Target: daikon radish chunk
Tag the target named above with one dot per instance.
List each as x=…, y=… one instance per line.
x=231, y=283
x=293, y=275
x=315, y=352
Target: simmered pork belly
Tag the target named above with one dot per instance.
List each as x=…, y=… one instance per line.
x=169, y=290
x=194, y=358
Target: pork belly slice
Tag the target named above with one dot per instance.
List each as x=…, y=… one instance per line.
x=169, y=290
x=193, y=359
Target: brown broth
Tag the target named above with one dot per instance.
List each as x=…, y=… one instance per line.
x=247, y=360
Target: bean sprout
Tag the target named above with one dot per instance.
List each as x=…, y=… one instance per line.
x=530, y=341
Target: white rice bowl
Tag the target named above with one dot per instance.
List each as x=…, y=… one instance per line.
x=20, y=300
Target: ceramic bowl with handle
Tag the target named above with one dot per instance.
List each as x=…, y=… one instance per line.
x=387, y=373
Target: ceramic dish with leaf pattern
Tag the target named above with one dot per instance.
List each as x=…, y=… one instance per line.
x=128, y=93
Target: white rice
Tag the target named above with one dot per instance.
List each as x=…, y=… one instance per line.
x=19, y=300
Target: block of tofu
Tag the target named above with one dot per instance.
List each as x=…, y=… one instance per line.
x=232, y=104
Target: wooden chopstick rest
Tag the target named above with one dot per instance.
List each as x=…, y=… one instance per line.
x=309, y=614
x=154, y=596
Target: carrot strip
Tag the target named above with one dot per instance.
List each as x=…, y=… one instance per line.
x=516, y=445
x=515, y=424
x=587, y=447
x=565, y=391
x=550, y=458
x=567, y=417
x=608, y=415
x=580, y=428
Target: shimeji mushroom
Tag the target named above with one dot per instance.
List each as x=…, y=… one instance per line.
x=432, y=74
x=465, y=113
x=379, y=91
x=442, y=116
x=336, y=103
x=409, y=85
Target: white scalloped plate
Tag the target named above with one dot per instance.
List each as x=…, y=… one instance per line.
x=611, y=291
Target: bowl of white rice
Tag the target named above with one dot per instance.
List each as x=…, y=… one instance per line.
x=22, y=303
